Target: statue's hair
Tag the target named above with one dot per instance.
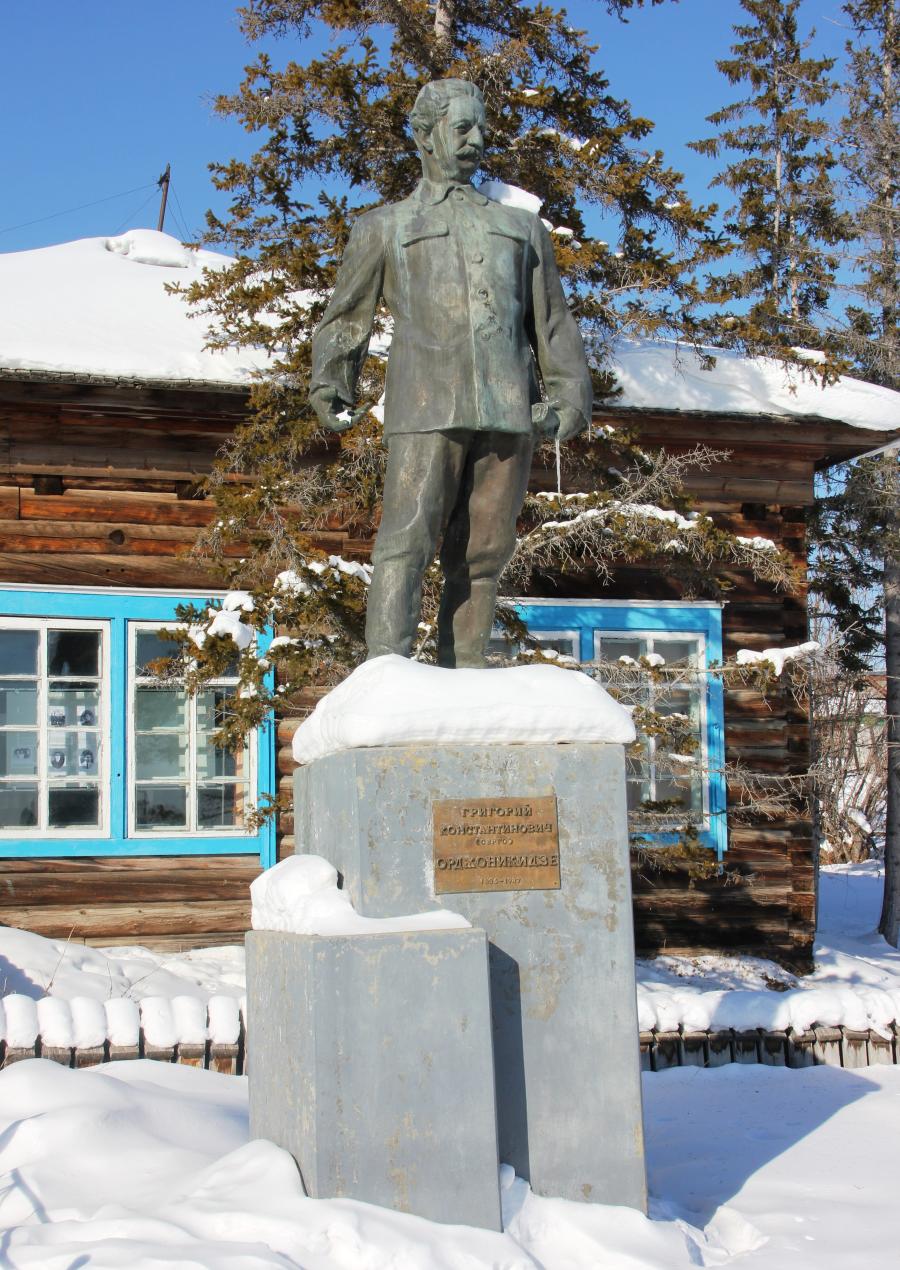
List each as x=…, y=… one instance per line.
x=434, y=100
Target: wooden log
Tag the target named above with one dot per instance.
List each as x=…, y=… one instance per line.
x=90, y=1057
x=694, y=1049
x=72, y=568
x=224, y=1059
x=666, y=1050
x=827, y=1046
x=83, y=890
x=773, y=1052
x=748, y=1046
x=854, y=1048
x=191, y=1055
x=13, y=1054
x=720, y=1048
x=115, y=508
x=882, y=1051
x=118, y=923
x=62, y=1054
x=800, y=1048
x=123, y=1053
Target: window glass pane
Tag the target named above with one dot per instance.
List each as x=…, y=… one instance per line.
x=72, y=704
x=18, y=806
x=500, y=645
x=213, y=761
x=73, y=806
x=221, y=806
x=159, y=708
x=566, y=644
x=636, y=793
x=685, y=793
x=681, y=652
x=18, y=702
x=73, y=652
x=211, y=709
x=73, y=753
x=160, y=755
x=18, y=652
x=681, y=701
x=160, y=806
x=149, y=646
x=18, y=753
x=612, y=647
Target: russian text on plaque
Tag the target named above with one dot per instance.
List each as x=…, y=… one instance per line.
x=496, y=844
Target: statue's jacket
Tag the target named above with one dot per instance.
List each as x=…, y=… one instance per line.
x=477, y=307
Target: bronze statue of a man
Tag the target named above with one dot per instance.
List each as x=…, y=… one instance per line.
x=478, y=310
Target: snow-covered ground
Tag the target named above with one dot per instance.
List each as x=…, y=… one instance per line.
x=148, y=1165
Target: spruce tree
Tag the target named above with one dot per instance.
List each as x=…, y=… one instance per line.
x=785, y=224
x=859, y=523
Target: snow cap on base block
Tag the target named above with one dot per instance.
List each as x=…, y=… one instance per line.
x=393, y=701
x=301, y=896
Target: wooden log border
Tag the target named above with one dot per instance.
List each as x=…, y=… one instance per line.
x=659, y=1051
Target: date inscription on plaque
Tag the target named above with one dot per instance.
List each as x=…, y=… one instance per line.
x=496, y=844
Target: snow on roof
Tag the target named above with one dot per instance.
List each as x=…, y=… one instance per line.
x=98, y=306
x=663, y=376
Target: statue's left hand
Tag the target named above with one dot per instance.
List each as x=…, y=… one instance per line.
x=571, y=422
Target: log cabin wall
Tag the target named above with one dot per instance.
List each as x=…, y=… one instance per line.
x=98, y=488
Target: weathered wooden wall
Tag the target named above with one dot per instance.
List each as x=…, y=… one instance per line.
x=97, y=488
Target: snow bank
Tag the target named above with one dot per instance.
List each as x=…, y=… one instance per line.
x=148, y=1165
x=856, y=982
x=99, y=306
x=393, y=701
x=301, y=895
x=660, y=375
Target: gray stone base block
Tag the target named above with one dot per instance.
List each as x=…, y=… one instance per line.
x=370, y=1061
x=562, y=961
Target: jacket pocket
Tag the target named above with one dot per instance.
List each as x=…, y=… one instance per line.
x=418, y=230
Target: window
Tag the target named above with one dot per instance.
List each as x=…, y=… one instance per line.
x=178, y=778
x=99, y=758
x=687, y=638
x=679, y=692
x=53, y=727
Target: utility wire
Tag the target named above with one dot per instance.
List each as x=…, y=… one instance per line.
x=40, y=219
x=131, y=215
x=182, y=219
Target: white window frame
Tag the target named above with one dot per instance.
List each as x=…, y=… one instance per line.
x=571, y=634
x=42, y=829
x=189, y=830
x=652, y=637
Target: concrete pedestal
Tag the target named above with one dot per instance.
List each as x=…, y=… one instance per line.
x=562, y=961
x=370, y=1061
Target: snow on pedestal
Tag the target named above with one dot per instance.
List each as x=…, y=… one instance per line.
x=393, y=701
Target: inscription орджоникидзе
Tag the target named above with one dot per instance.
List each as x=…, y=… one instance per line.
x=496, y=844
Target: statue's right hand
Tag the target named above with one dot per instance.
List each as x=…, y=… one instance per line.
x=333, y=414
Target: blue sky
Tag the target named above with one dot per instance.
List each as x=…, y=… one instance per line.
x=96, y=97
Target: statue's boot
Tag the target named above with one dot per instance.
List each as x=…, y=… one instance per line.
x=465, y=619
x=392, y=608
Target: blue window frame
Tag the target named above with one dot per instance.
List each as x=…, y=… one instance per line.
x=577, y=628
x=100, y=728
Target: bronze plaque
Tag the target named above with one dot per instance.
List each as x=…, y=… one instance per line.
x=496, y=844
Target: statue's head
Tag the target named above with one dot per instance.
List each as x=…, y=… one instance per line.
x=448, y=125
